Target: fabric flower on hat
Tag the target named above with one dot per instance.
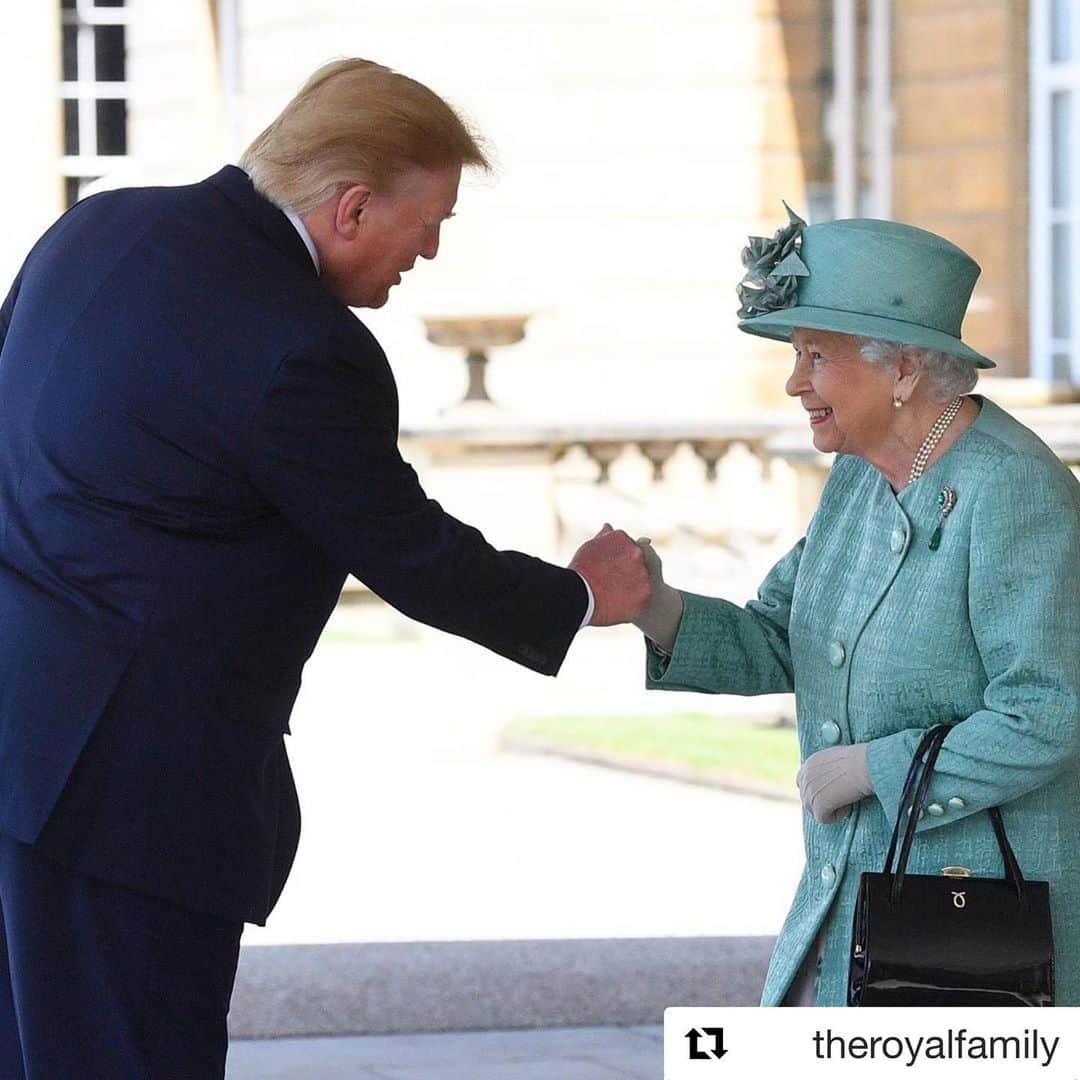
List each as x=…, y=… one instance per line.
x=773, y=269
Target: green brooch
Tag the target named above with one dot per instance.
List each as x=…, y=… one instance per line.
x=946, y=500
x=773, y=269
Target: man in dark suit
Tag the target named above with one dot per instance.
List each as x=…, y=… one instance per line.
x=198, y=443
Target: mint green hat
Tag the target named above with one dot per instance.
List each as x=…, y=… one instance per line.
x=861, y=276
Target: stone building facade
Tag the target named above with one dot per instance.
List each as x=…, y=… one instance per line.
x=633, y=156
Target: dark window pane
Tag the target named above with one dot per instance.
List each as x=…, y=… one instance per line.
x=1060, y=148
x=109, y=53
x=1061, y=267
x=71, y=54
x=112, y=127
x=1061, y=368
x=75, y=187
x=108, y=3
x=67, y=5
x=71, y=126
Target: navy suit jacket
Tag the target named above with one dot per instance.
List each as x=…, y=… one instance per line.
x=198, y=442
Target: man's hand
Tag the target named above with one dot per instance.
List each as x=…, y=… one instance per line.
x=832, y=779
x=614, y=566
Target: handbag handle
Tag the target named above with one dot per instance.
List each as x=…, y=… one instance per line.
x=911, y=801
x=909, y=787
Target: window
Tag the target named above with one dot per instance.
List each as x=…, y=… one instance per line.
x=94, y=90
x=1055, y=190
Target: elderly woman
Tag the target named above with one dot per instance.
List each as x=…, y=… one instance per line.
x=939, y=581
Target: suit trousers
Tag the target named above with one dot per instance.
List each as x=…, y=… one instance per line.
x=98, y=981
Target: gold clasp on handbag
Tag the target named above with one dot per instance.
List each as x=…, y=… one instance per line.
x=955, y=871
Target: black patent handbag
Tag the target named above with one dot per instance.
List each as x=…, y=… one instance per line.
x=952, y=939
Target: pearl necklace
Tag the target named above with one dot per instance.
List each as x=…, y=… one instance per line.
x=918, y=466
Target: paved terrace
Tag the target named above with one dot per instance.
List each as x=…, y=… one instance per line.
x=542, y=911
x=560, y=1054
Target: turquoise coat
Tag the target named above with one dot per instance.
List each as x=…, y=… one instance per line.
x=881, y=638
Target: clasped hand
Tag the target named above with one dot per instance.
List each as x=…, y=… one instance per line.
x=627, y=582
x=614, y=566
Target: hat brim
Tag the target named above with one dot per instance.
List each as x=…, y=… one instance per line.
x=778, y=325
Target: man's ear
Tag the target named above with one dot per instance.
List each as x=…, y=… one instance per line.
x=349, y=212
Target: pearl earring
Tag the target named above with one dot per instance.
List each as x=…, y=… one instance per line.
x=897, y=403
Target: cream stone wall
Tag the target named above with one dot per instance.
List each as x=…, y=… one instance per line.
x=175, y=116
x=634, y=153
x=629, y=169
x=31, y=190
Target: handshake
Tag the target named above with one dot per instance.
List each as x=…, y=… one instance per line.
x=627, y=582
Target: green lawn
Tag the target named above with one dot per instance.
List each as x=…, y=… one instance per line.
x=736, y=746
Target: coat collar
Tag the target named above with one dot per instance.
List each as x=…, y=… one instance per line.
x=269, y=219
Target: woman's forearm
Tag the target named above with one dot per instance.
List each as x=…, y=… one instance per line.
x=659, y=622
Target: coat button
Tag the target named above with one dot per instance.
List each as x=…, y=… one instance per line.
x=830, y=732
x=837, y=654
x=935, y=809
x=897, y=539
x=957, y=803
x=828, y=873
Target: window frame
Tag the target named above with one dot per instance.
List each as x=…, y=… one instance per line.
x=87, y=92
x=1047, y=78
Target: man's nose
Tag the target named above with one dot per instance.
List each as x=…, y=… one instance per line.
x=431, y=247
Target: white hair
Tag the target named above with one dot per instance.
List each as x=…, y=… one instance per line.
x=949, y=376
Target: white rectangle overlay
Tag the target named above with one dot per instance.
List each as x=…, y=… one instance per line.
x=755, y=1044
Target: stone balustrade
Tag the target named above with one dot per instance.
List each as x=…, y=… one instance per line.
x=712, y=493
x=722, y=498
x=733, y=493
x=767, y=436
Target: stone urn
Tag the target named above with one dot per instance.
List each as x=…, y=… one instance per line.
x=476, y=334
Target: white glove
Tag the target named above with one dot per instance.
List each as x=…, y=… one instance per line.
x=659, y=621
x=832, y=779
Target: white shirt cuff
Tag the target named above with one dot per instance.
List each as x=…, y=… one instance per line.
x=591, y=606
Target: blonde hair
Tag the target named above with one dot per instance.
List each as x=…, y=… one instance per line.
x=356, y=122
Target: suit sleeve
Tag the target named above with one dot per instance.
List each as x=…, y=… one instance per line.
x=1024, y=608
x=323, y=450
x=722, y=648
